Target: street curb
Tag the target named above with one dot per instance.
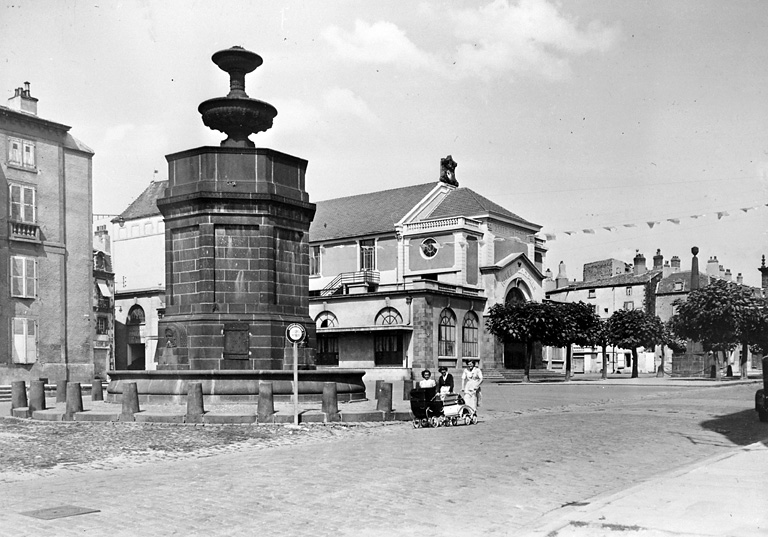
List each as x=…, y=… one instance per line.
x=562, y=517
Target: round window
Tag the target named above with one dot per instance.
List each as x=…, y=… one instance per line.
x=429, y=248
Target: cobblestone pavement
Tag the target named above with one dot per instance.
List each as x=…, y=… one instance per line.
x=536, y=448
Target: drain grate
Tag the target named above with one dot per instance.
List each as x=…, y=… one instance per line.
x=62, y=511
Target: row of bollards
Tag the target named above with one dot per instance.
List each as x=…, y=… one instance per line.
x=66, y=392
x=70, y=393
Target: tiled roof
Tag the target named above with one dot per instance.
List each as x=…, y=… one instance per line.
x=625, y=279
x=146, y=204
x=466, y=202
x=365, y=214
x=667, y=285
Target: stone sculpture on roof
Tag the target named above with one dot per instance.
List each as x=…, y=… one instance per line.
x=448, y=171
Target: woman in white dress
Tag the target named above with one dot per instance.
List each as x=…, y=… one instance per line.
x=471, y=380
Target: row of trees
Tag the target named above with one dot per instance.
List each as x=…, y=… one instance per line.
x=721, y=316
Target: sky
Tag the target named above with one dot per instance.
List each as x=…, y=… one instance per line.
x=617, y=125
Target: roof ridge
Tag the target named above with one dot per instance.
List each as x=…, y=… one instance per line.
x=375, y=192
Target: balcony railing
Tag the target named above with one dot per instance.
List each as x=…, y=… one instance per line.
x=339, y=284
x=23, y=231
x=442, y=223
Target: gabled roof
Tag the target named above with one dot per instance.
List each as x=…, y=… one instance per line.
x=626, y=279
x=667, y=285
x=467, y=202
x=365, y=214
x=146, y=204
x=502, y=263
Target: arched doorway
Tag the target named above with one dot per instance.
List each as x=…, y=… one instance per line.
x=514, y=352
x=135, y=355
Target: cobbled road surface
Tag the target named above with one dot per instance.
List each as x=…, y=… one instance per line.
x=536, y=448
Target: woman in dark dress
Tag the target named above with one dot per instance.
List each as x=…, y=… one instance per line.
x=444, y=381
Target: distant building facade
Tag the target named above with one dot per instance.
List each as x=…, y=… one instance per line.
x=46, y=248
x=138, y=246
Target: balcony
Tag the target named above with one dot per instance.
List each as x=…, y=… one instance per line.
x=367, y=280
x=23, y=231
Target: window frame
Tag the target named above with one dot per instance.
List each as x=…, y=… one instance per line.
x=628, y=291
x=367, y=256
x=314, y=261
x=435, y=247
x=22, y=204
x=470, y=335
x=25, y=354
x=27, y=154
x=24, y=279
x=629, y=305
x=446, y=334
x=592, y=293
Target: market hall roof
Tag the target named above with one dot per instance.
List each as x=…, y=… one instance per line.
x=378, y=212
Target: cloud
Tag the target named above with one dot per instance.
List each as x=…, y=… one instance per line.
x=531, y=36
x=496, y=40
x=340, y=100
x=381, y=42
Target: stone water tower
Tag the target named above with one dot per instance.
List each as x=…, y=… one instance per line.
x=236, y=252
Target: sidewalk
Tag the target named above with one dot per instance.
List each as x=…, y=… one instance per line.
x=725, y=495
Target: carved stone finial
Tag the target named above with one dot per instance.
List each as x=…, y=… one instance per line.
x=237, y=115
x=448, y=171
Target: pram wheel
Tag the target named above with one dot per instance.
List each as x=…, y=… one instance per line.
x=416, y=423
x=474, y=419
x=424, y=422
x=434, y=421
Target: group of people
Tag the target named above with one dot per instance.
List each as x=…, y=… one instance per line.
x=471, y=379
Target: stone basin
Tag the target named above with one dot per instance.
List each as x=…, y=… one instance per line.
x=236, y=386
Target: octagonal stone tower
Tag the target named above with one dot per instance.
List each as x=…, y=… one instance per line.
x=237, y=261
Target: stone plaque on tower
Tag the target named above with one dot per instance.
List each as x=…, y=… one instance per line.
x=236, y=250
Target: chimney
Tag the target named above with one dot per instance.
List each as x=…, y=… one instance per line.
x=675, y=263
x=658, y=260
x=728, y=277
x=667, y=270
x=22, y=101
x=561, y=280
x=639, y=263
x=549, y=282
x=740, y=279
x=721, y=272
x=694, y=269
x=713, y=267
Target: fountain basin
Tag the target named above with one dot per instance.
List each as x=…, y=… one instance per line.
x=235, y=386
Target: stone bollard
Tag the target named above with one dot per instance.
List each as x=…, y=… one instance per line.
x=407, y=387
x=765, y=373
x=130, y=401
x=266, y=412
x=330, y=402
x=97, y=390
x=385, y=398
x=74, y=401
x=61, y=391
x=18, y=394
x=378, y=388
x=36, y=395
x=195, y=408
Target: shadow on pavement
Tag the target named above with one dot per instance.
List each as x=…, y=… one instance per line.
x=742, y=428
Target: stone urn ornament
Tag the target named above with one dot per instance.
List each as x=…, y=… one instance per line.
x=237, y=115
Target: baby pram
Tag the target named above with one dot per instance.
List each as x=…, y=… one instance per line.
x=431, y=409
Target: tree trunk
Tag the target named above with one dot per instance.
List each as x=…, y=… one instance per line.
x=568, y=364
x=718, y=373
x=605, y=363
x=660, y=372
x=634, y=363
x=743, y=361
x=528, y=360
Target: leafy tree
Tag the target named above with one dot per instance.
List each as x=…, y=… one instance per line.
x=581, y=326
x=526, y=322
x=631, y=329
x=721, y=316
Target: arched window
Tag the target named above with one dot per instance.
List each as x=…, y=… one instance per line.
x=326, y=319
x=136, y=315
x=469, y=335
x=389, y=316
x=446, y=334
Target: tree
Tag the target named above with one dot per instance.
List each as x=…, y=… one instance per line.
x=631, y=329
x=581, y=326
x=526, y=322
x=669, y=340
x=721, y=316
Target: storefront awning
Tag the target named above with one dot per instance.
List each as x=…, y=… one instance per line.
x=104, y=289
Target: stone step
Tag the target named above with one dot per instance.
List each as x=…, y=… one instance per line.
x=501, y=375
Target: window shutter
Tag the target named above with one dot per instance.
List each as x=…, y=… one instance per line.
x=17, y=276
x=31, y=278
x=31, y=341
